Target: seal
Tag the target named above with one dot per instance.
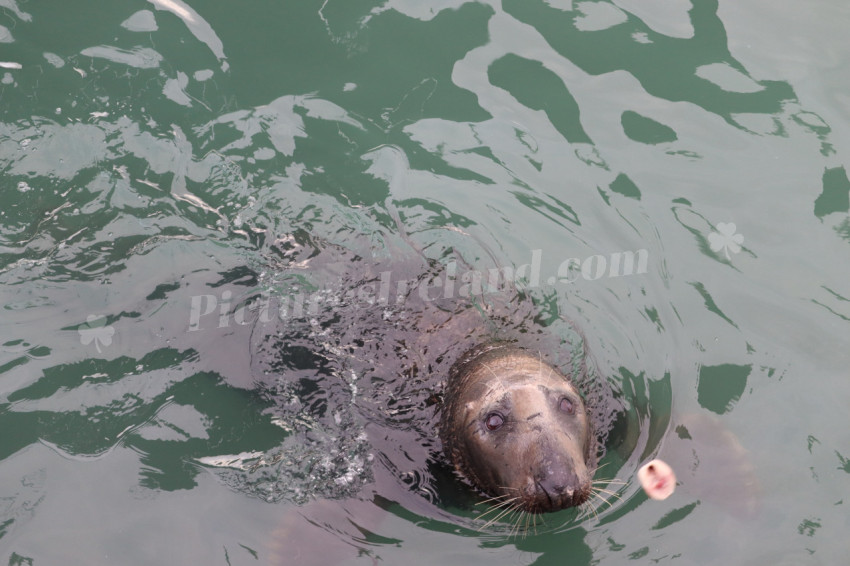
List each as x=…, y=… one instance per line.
x=518, y=430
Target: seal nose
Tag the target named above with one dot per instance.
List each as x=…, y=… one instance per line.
x=556, y=472
x=559, y=480
x=562, y=490
x=559, y=483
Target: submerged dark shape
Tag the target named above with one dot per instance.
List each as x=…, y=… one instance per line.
x=518, y=429
x=355, y=378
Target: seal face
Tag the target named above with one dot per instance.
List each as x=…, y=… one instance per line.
x=517, y=428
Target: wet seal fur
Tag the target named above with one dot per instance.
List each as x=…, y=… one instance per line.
x=517, y=429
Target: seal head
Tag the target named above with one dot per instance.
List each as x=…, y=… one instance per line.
x=517, y=428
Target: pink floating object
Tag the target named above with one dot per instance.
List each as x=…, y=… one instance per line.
x=657, y=479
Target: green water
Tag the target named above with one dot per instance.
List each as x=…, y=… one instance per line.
x=155, y=152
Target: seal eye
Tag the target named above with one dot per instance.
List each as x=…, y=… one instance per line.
x=494, y=421
x=566, y=406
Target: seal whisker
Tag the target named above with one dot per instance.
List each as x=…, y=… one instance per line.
x=500, y=506
x=493, y=520
x=582, y=511
x=585, y=510
x=607, y=492
x=602, y=480
x=602, y=500
x=583, y=514
x=595, y=492
x=498, y=378
x=542, y=518
x=503, y=513
x=610, y=481
x=594, y=508
x=515, y=530
x=512, y=528
x=551, y=371
x=598, y=489
x=522, y=514
x=515, y=526
x=527, y=520
x=496, y=504
x=501, y=497
x=511, y=513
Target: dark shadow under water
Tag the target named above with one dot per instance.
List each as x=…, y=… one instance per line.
x=351, y=352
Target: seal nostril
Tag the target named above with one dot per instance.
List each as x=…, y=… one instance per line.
x=541, y=488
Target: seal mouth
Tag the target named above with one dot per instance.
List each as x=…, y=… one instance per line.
x=543, y=499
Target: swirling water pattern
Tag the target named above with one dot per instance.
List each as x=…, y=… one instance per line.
x=167, y=158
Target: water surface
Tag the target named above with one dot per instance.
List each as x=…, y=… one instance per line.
x=163, y=159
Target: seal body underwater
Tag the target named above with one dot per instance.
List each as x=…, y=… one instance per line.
x=518, y=430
